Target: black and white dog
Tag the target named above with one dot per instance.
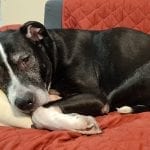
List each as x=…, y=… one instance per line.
x=94, y=71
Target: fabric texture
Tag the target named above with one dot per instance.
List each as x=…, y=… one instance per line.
x=9, y=27
x=103, y=14
x=120, y=132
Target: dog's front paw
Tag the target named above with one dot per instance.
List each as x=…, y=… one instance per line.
x=86, y=125
x=53, y=119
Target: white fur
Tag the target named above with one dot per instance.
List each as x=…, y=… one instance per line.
x=29, y=34
x=9, y=116
x=41, y=96
x=53, y=119
x=124, y=110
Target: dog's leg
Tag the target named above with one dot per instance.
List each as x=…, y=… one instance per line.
x=65, y=114
x=85, y=104
x=52, y=118
x=134, y=93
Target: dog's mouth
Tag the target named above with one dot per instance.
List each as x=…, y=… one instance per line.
x=28, y=100
x=36, y=98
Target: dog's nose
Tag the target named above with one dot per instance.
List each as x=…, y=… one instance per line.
x=25, y=103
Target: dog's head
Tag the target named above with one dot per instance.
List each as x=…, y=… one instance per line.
x=25, y=68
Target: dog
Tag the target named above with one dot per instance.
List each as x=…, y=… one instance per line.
x=95, y=72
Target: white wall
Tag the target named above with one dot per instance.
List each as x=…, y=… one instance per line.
x=20, y=11
x=0, y=14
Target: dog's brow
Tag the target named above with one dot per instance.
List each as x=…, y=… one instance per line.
x=15, y=57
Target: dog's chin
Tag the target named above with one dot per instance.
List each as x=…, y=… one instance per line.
x=37, y=104
x=28, y=112
x=41, y=96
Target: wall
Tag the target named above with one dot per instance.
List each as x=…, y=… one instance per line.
x=20, y=11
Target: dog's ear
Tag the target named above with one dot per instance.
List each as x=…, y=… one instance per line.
x=38, y=34
x=34, y=30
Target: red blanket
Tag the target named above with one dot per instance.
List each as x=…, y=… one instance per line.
x=102, y=14
x=120, y=132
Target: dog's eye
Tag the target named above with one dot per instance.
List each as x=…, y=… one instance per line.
x=25, y=62
x=25, y=59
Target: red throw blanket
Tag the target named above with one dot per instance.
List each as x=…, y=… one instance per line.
x=103, y=14
x=120, y=132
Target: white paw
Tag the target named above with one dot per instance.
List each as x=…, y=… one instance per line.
x=85, y=125
x=124, y=110
x=53, y=119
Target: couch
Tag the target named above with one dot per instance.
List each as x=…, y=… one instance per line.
x=120, y=132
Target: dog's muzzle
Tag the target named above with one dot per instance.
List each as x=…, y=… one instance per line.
x=25, y=103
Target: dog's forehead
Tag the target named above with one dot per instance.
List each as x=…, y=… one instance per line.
x=14, y=42
x=10, y=35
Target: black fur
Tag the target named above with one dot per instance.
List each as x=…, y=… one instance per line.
x=109, y=66
x=94, y=68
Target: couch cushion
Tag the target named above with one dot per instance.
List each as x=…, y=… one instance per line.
x=103, y=14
